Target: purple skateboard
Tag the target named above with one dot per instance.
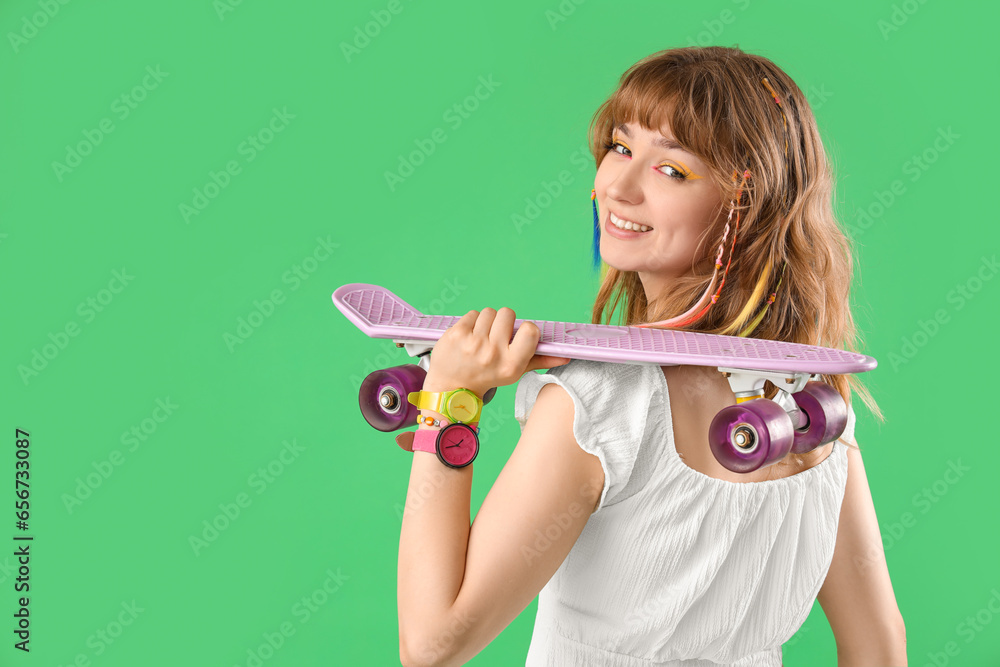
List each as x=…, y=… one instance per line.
x=756, y=432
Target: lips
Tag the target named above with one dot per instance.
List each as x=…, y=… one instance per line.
x=633, y=225
x=624, y=234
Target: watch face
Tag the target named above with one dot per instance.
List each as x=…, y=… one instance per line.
x=457, y=445
x=462, y=405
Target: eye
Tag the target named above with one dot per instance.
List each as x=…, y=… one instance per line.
x=677, y=173
x=673, y=172
x=615, y=145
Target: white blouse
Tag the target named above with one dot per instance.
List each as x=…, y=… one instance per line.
x=675, y=568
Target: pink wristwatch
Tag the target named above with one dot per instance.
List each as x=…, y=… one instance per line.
x=456, y=445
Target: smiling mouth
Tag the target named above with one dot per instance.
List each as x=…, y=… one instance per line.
x=627, y=225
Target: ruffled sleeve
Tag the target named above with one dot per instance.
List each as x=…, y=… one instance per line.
x=611, y=405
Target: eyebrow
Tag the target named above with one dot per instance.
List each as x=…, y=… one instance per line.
x=663, y=142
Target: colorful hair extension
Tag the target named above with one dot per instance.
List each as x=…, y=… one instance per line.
x=701, y=307
x=755, y=296
x=756, y=320
x=784, y=119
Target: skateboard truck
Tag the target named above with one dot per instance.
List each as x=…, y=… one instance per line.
x=417, y=348
x=804, y=414
x=749, y=384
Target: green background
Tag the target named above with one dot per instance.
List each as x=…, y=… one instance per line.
x=886, y=81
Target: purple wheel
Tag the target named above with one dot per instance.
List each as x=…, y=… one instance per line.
x=751, y=435
x=826, y=412
x=383, y=396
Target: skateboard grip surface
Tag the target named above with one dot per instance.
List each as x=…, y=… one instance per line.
x=381, y=314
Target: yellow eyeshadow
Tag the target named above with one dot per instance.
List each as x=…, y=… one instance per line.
x=687, y=172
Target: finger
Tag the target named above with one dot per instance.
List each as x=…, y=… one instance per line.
x=525, y=341
x=540, y=361
x=466, y=321
x=484, y=323
x=503, y=327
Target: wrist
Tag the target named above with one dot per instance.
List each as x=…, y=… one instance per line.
x=435, y=384
x=448, y=400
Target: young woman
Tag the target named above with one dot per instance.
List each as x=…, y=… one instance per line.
x=716, y=216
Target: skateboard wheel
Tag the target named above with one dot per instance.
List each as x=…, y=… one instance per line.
x=383, y=393
x=751, y=435
x=827, y=414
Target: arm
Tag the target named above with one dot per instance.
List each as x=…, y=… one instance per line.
x=478, y=580
x=857, y=595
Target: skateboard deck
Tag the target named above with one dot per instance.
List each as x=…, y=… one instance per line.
x=381, y=314
x=757, y=431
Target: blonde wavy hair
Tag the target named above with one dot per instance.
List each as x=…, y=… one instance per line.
x=715, y=104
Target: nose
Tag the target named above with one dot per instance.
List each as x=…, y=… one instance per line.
x=626, y=185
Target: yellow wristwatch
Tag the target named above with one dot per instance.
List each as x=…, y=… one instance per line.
x=458, y=405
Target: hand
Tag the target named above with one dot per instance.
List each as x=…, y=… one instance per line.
x=480, y=352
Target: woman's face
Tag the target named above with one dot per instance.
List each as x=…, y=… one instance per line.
x=647, y=179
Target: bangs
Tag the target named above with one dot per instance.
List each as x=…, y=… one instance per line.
x=669, y=104
x=649, y=103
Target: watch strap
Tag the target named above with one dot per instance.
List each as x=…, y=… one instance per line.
x=427, y=400
x=425, y=440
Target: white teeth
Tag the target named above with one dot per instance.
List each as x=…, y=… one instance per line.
x=625, y=224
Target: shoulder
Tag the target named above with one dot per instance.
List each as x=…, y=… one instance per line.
x=598, y=389
x=603, y=408
x=599, y=378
